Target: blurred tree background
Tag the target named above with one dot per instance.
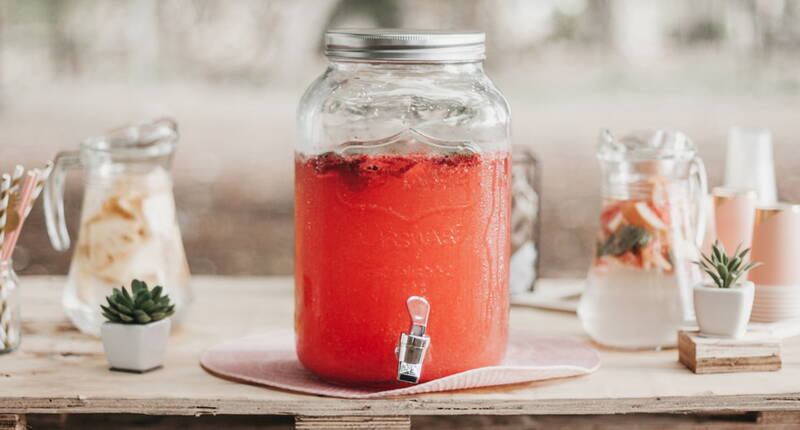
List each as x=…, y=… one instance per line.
x=231, y=72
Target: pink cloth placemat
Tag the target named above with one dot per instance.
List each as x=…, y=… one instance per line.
x=269, y=359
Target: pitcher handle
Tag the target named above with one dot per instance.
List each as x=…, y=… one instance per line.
x=54, y=198
x=697, y=171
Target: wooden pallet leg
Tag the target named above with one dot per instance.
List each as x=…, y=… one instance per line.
x=778, y=417
x=352, y=423
x=12, y=422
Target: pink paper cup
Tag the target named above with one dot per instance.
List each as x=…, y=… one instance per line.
x=734, y=214
x=776, y=244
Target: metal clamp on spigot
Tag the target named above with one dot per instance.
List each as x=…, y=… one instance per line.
x=413, y=345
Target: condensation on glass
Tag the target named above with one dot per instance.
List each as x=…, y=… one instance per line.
x=402, y=182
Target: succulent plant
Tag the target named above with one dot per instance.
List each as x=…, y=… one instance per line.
x=141, y=306
x=725, y=269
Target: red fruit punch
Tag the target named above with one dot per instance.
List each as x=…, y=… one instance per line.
x=373, y=230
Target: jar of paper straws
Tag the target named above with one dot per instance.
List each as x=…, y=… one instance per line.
x=18, y=193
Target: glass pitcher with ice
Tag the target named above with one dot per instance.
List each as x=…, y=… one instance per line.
x=651, y=226
x=128, y=227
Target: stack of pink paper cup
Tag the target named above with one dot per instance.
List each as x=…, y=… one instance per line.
x=776, y=243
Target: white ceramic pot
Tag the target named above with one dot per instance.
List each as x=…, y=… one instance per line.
x=723, y=312
x=135, y=347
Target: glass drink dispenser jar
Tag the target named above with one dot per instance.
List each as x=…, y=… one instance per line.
x=402, y=193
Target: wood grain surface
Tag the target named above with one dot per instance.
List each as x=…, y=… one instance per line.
x=712, y=355
x=352, y=423
x=59, y=370
x=12, y=422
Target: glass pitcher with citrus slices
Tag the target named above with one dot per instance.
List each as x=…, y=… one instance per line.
x=651, y=226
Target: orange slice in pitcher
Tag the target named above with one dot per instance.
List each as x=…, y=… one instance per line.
x=641, y=215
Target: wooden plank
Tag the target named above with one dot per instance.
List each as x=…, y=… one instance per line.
x=12, y=422
x=151, y=422
x=58, y=370
x=712, y=355
x=352, y=423
x=779, y=417
x=742, y=421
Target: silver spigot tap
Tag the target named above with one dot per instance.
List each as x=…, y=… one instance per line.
x=413, y=345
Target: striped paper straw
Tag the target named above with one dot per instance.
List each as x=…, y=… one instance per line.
x=5, y=185
x=12, y=220
x=8, y=326
x=5, y=309
x=26, y=191
x=5, y=315
x=16, y=178
x=43, y=175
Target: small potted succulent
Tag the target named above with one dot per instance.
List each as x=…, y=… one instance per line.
x=723, y=307
x=135, y=335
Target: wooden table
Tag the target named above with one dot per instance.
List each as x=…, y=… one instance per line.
x=58, y=370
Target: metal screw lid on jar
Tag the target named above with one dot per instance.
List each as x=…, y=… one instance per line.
x=405, y=45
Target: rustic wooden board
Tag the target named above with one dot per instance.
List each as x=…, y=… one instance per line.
x=709, y=355
x=779, y=417
x=740, y=421
x=352, y=423
x=58, y=370
x=12, y=422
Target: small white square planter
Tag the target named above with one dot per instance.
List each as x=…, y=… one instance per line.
x=135, y=347
x=723, y=312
